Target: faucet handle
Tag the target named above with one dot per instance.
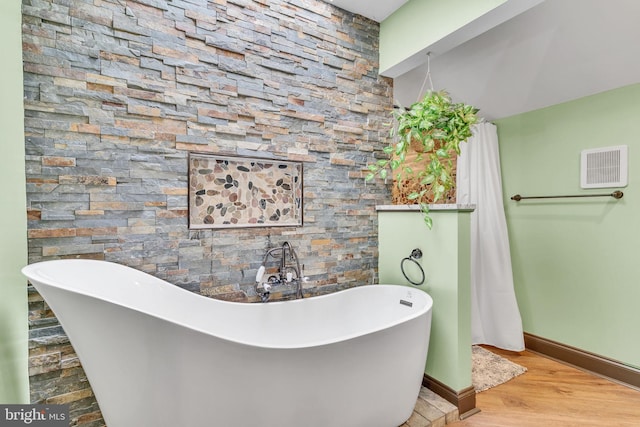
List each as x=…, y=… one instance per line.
x=263, y=288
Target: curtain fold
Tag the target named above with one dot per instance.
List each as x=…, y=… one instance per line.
x=495, y=315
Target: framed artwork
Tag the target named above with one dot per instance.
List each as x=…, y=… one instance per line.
x=233, y=192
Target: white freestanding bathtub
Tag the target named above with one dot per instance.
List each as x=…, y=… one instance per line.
x=157, y=355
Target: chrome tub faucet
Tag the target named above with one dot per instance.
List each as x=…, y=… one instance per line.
x=289, y=272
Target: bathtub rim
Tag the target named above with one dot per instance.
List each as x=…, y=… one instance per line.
x=31, y=272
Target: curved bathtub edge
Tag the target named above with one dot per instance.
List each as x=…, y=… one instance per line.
x=34, y=273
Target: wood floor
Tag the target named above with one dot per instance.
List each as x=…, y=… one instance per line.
x=552, y=394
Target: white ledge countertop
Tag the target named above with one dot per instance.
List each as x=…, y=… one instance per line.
x=433, y=208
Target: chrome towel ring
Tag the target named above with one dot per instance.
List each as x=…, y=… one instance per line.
x=415, y=255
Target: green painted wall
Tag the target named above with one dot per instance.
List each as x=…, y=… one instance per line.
x=575, y=261
x=420, y=23
x=446, y=259
x=14, y=384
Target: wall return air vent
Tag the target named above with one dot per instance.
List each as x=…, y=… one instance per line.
x=604, y=167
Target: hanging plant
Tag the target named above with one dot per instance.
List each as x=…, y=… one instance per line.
x=434, y=127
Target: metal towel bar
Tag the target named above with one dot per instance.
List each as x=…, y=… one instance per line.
x=616, y=195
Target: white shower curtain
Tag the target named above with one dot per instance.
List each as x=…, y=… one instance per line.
x=495, y=316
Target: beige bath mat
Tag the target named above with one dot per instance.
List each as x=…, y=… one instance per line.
x=489, y=369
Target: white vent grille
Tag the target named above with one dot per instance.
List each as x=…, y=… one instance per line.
x=604, y=167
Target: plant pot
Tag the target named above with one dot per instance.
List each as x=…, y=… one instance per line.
x=409, y=184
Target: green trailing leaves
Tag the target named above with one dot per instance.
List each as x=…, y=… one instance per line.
x=437, y=125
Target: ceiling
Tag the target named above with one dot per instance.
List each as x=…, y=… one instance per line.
x=377, y=10
x=555, y=52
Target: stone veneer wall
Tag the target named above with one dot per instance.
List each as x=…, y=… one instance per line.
x=117, y=92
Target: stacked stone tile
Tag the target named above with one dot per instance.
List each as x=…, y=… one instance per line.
x=117, y=92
